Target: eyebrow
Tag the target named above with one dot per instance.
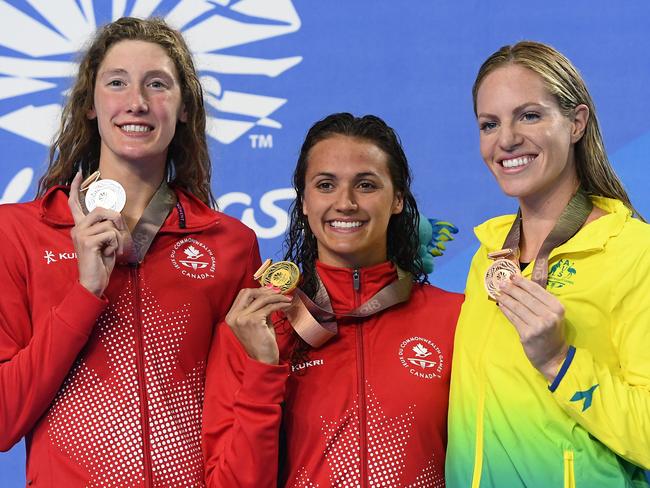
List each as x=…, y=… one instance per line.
x=325, y=174
x=516, y=110
x=148, y=74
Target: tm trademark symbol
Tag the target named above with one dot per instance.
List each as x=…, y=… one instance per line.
x=261, y=141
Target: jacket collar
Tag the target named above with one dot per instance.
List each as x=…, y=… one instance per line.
x=196, y=216
x=339, y=283
x=591, y=237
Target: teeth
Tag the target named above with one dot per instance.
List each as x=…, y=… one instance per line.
x=339, y=224
x=513, y=163
x=135, y=128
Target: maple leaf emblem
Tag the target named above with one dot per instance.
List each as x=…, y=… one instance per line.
x=97, y=416
x=421, y=351
x=387, y=437
x=192, y=253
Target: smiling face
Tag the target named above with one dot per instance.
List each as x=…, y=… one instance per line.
x=137, y=103
x=526, y=141
x=348, y=201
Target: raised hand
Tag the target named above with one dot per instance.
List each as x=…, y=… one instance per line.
x=97, y=238
x=538, y=317
x=249, y=320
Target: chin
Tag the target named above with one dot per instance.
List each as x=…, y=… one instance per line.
x=515, y=192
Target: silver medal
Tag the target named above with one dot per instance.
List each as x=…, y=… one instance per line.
x=105, y=194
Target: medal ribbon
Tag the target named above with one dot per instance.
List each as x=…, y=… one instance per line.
x=150, y=222
x=572, y=219
x=315, y=321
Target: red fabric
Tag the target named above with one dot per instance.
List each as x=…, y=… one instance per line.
x=109, y=392
x=356, y=413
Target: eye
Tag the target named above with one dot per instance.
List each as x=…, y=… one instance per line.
x=487, y=126
x=530, y=117
x=158, y=84
x=116, y=83
x=325, y=185
x=367, y=185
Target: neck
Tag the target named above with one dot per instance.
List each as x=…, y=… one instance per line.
x=355, y=260
x=538, y=216
x=140, y=182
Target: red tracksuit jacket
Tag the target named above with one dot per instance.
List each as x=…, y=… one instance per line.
x=109, y=392
x=368, y=408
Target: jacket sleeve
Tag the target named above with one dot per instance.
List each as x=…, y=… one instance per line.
x=35, y=357
x=242, y=409
x=613, y=405
x=241, y=416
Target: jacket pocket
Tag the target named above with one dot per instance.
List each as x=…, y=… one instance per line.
x=569, y=476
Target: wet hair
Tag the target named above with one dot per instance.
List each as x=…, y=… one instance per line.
x=564, y=82
x=402, y=232
x=77, y=143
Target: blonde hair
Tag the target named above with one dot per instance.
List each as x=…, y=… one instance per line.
x=564, y=82
x=78, y=141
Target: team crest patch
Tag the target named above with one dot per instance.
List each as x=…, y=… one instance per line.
x=422, y=357
x=193, y=259
x=561, y=274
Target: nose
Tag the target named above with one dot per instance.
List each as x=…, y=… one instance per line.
x=137, y=101
x=346, y=201
x=509, y=137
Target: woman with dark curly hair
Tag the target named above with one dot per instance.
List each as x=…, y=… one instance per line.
x=359, y=373
x=113, y=286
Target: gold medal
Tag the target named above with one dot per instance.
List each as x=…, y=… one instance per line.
x=283, y=274
x=500, y=271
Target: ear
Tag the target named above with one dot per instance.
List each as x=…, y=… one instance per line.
x=91, y=114
x=398, y=203
x=182, y=114
x=304, y=207
x=579, y=122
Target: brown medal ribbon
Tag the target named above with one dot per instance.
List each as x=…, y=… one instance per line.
x=572, y=219
x=150, y=222
x=315, y=321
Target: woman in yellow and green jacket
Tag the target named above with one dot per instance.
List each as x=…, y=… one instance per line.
x=551, y=370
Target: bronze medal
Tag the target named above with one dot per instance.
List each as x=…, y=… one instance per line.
x=283, y=274
x=500, y=271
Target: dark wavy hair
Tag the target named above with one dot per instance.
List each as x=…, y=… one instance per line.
x=402, y=243
x=78, y=142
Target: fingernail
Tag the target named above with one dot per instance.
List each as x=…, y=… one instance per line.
x=269, y=285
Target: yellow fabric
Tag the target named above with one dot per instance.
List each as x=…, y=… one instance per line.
x=602, y=278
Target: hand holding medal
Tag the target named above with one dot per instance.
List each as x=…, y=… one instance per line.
x=538, y=317
x=536, y=314
x=249, y=315
x=98, y=238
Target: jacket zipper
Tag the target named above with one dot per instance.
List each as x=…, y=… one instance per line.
x=569, y=472
x=361, y=386
x=142, y=385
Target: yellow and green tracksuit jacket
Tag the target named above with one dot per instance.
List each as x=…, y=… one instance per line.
x=508, y=427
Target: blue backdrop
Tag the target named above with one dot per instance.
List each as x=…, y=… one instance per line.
x=272, y=67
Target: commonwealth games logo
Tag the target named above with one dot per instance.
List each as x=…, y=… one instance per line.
x=40, y=41
x=421, y=357
x=43, y=38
